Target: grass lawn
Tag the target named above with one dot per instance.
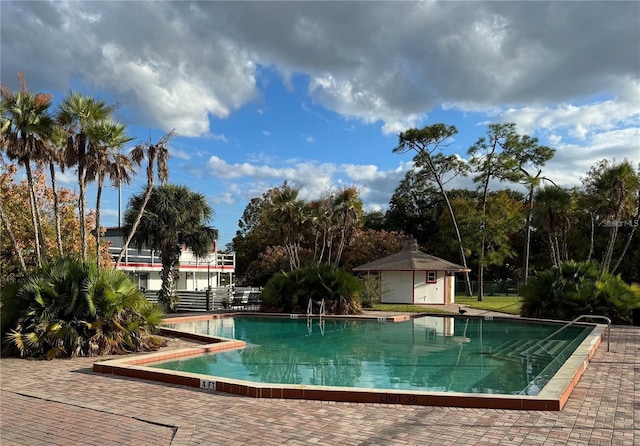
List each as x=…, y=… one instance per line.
x=501, y=304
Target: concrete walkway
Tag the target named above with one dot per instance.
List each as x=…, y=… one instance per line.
x=63, y=402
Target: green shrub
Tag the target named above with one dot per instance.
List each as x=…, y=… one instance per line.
x=290, y=292
x=70, y=309
x=373, y=288
x=578, y=288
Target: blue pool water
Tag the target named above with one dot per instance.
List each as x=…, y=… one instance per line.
x=426, y=353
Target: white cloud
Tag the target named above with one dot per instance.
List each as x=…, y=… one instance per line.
x=177, y=64
x=579, y=121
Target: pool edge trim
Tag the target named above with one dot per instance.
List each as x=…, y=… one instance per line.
x=552, y=397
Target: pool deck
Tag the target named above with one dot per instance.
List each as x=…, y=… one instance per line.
x=63, y=402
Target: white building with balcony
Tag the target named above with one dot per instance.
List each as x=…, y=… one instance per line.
x=216, y=269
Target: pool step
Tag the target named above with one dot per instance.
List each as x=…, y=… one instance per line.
x=519, y=348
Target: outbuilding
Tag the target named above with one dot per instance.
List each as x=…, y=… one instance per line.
x=414, y=277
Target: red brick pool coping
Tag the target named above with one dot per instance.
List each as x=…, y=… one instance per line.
x=552, y=397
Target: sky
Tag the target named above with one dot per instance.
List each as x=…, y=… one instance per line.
x=316, y=93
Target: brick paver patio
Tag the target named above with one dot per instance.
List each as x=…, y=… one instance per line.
x=63, y=402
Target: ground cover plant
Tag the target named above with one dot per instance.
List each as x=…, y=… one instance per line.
x=577, y=288
x=291, y=291
x=68, y=308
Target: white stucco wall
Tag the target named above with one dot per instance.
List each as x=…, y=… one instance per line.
x=409, y=287
x=400, y=286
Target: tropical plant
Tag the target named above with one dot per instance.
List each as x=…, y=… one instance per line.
x=26, y=126
x=577, y=288
x=287, y=212
x=552, y=216
x=104, y=159
x=157, y=158
x=615, y=190
x=75, y=115
x=174, y=217
x=54, y=157
x=70, y=309
x=291, y=291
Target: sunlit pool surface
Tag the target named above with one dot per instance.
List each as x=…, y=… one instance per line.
x=426, y=353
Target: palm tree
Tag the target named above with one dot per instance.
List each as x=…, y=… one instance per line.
x=54, y=157
x=103, y=159
x=552, y=215
x=347, y=207
x=174, y=217
x=70, y=309
x=26, y=126
x=75, y=114
x=614, y=188
x=157, y=157
x=288, y=216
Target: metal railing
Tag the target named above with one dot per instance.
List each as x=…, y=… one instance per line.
x=583, y=316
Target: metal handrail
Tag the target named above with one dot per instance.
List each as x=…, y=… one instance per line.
x=584, y=316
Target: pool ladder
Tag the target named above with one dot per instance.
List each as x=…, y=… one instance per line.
x=584, y=316
x=322, y=311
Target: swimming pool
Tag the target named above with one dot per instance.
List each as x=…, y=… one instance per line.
x=443, y=354
x=456, y=361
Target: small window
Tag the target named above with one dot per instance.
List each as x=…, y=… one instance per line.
x=431, y=277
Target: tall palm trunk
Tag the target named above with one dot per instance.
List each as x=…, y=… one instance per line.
x=629, y=238
x=81, y=213
x=136, y=223
x=33, y=205
x=617, y=194
x=125, y=247
x=169, y=275
x=56, y=207
x=16, y=246
x=98, y=198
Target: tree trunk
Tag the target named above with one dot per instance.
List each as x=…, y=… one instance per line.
x=81, y=212
x=592, y=238
x=483, y=228
x=16, y=246
x=124, y=249
x=527, y=242
x=34, y=219
x=608, y=255
x=98, y=198
x=634, y=225
x=552, y=246
x=463, y=257
x=169, y=275
x=56, y=208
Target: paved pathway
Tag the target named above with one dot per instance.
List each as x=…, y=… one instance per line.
x=63, y=403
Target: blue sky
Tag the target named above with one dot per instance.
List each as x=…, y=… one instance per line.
x=315, y=93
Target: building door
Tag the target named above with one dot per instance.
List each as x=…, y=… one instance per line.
x=143, y=282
